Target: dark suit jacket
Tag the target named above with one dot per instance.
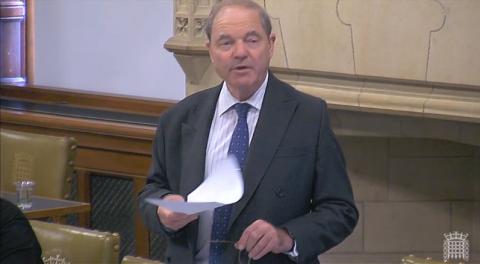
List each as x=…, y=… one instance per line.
x=18, y=243
x=294, y=174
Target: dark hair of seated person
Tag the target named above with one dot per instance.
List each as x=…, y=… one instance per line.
x=18, y=243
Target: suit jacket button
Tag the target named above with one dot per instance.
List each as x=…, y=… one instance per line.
x=280, y=193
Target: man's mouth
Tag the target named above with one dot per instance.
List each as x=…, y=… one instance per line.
x=240, y=68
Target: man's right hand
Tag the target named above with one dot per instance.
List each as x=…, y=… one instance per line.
x=173, y=220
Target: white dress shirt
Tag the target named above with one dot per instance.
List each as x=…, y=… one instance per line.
x=221, y=130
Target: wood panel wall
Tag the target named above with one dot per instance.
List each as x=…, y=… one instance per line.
x=118, y=149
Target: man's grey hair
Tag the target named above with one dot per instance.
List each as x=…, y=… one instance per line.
x=249, y=4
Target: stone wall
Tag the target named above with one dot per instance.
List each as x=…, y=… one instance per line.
x=415, y=57
x=427, y=40
x=402, y=80
x=409, y=191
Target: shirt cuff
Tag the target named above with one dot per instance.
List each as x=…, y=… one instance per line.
x=294, y=252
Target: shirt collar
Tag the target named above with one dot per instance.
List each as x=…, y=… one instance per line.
x=226, y=100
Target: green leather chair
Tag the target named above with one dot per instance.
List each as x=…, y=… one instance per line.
x=411, y=259
x=73, y=245
x=138, y=260
x=47, y=160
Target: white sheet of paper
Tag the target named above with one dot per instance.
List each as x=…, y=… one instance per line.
x=223, y=186
x=184, y=207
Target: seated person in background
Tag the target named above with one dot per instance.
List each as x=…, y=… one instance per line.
x=18, y=243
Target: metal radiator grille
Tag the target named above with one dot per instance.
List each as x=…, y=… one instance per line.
x=158, y=244
x=113, y=209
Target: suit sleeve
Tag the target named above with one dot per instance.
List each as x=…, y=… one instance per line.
x=333, y=213
x=157, y=185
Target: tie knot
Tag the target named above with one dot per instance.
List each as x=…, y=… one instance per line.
x=242, y=110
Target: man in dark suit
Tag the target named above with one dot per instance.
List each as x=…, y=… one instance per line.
x=297, y=201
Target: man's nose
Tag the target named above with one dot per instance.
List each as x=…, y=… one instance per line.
x=240, y=50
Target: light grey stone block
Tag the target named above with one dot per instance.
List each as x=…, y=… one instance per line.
x=466, y=219
x=405, y=226
x=431, y=179
x=367, y=167
x=408, y=147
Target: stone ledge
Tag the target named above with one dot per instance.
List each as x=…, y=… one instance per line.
x=178, y=45
x=358, y=93
x=398, y=97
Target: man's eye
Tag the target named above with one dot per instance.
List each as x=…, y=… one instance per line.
x=252, y=40
x=225, y=43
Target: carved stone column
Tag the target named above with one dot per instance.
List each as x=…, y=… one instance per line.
x=188, y=43
x=12, y=41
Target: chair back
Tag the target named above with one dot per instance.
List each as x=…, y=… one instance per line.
x=72, y=244
x=47, y=160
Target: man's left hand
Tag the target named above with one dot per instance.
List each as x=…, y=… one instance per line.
x=261, y=237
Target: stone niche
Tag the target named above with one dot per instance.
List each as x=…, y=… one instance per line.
x=414, y=179
x=402, y=80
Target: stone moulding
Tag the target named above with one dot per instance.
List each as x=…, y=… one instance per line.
x=347, y=91
x=399, y=97
x=456, y=102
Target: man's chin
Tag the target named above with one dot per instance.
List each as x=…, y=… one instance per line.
x=242, y=84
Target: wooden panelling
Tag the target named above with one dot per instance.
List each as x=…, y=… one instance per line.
x=77, y=124
x=110, y=161
x=142, y=241
x=83, y=193
x=91, y=100
x=116, y=149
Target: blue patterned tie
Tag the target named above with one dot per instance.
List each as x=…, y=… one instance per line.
x=221, y=216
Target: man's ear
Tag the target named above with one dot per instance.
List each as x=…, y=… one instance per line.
x=207, y=44
x=271, y=40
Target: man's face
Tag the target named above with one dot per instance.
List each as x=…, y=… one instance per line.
x=240, y=49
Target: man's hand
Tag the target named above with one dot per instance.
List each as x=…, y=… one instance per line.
x=173, y=220
x=261, y=237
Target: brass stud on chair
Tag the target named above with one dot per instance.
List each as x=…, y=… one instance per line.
x=73, y=147
x=117, y=246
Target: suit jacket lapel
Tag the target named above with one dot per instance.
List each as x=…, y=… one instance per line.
x=195, y=131
x=277, y=110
